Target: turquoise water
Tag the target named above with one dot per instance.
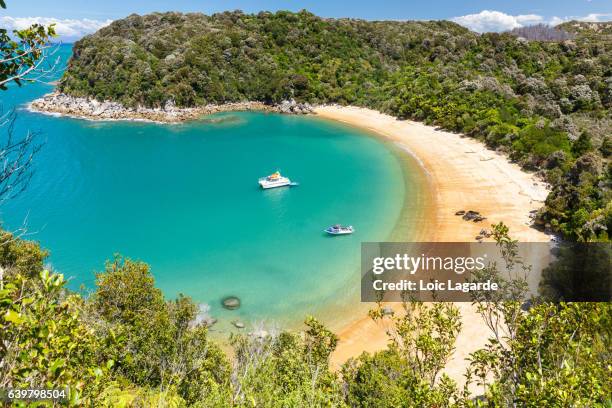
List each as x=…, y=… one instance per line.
x=184, y=198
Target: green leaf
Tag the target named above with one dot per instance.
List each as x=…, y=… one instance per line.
x=27, y=300
x=12, y=316
x=56, y=365
x=2, y=4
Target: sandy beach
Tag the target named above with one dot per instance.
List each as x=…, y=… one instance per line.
x=463, y=175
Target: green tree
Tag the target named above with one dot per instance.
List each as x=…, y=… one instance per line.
x=159, y=345
x=409, y=372
x=43, y=339
x=582, y=145
x=549, y=355
x=285, y=370
x=559, y=357
x=24, y=58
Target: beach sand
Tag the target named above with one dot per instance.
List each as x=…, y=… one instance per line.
x=463, y=175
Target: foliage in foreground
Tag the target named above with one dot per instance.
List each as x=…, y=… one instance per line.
x=550, y=355
x=125, y=345
x=23, y=53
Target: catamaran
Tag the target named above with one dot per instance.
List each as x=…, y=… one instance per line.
x=339, y=230
x=275, y=180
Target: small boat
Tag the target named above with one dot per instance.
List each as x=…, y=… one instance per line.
x=339, y=230
x=274, y=180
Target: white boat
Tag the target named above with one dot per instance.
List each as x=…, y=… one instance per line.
x=339, y=230
x=274, y=180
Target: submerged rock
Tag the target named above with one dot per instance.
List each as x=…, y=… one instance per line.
x=231, y=302
x=238, y=324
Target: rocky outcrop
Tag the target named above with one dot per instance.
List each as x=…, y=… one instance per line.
x=63, y=104
x=291, y=106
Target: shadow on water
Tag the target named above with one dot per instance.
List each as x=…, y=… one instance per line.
x=274, y=194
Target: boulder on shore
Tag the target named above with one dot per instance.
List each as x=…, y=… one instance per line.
x=471, y=215
x=293, y=107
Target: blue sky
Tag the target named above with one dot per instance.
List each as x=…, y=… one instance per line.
x=77, y=17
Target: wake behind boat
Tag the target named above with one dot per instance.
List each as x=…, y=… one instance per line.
x=275, y=180
x=339, y=230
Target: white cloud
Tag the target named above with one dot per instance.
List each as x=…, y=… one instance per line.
x=528, y=19
x=592, y=18
x=596, y=17
x=496, y=21
x=557, y=20
x=489, y=20
x=67, y=29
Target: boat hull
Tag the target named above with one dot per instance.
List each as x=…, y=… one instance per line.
x=338, y=232
x=265, y=184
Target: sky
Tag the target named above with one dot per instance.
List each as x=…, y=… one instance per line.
x=75, y=18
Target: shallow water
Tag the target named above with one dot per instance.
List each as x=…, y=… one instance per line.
x=184, y=198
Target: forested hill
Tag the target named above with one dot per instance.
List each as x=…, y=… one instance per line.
x=547, y=103
x=197, y=59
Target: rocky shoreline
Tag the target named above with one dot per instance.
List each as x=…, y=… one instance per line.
x=86, y=108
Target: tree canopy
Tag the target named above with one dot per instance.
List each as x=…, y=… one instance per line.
x=23, y=55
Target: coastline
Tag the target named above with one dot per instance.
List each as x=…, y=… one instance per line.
x=462, y=175
x=56, y=103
